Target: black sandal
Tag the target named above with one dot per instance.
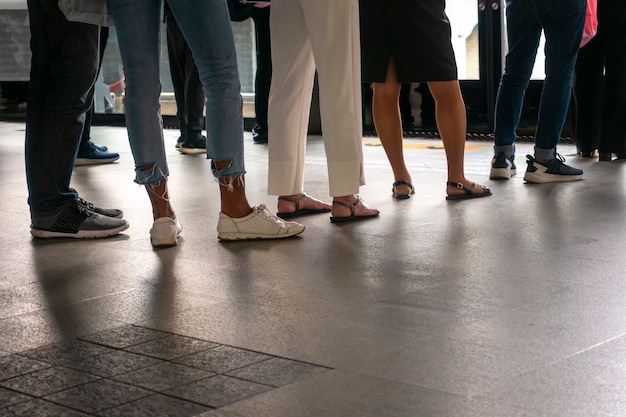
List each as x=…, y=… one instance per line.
x=468, y=192
x=298, y=211
x=402, y=196
x=352, y=217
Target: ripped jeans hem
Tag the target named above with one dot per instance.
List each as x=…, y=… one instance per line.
x=149, y=176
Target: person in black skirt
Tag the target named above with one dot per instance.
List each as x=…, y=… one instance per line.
x=390, y=58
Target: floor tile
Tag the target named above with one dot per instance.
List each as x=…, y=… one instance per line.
x=40, y=408
x=47, y=381
x=156, y=405
x=15, y=365
x=277, y=372
x=97, y=395
x=171, y=347
x=163, y=376
x=218, y=390
x=114, y=363
x=59, y=354
x=222, y=359
x=125, y=336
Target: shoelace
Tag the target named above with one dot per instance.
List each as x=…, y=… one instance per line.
x=262, y=210
x=85, y=207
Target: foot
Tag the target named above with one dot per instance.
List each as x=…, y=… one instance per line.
x=351, y=207
x=300, y=203
x=456, y=191
x=554, y=170
x=193, y=145
x=260, y=224
x=502, y=167
x=259, y=134
x=402, y=189
x=165, y=232
x=77, y=221
x=93, y=155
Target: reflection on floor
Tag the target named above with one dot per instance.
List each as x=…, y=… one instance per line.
x=512, y=305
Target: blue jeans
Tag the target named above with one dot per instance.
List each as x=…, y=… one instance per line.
x=562, y=22
x=206, y=26
x=63, y=70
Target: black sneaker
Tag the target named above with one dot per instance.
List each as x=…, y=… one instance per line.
x=115, y=213
x=193, y=145
x=259, y=135
x=80, y=222
x=502, y=168
x=179, y=142
x=553, y=171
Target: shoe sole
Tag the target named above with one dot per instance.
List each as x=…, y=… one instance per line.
x=501, y=174
x=81, y=234
x=241, y=236
x=94, y=161
x=548, y=178
x=191, y=151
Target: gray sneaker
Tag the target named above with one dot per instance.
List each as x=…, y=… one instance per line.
x=118, y=214
x=553, y=171
x=80, y=222
x=260, y=224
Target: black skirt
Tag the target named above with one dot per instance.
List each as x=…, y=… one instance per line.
x=414, y=33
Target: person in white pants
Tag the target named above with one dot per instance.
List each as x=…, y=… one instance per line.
x=306, y=35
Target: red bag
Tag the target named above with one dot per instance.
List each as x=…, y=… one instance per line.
x=591, y=22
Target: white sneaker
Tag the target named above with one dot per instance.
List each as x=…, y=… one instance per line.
x=260, y=224
x=165, y=232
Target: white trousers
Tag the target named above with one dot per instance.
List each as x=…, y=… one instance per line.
x=310, y=34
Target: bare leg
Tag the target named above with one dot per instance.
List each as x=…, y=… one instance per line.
x=388, y=123
x=159, y=198
x=234, y=202
x=452, y=125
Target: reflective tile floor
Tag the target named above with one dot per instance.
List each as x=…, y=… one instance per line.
x=512, y=305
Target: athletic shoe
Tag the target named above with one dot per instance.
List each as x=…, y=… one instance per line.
x=165, y=232
x=92, y=155
x=553, y=171
x=193, y=145
x=259, y=135
x=260, y=224
x=80, y=222
x=179, y=142
x=115, y=213
x=502, y=168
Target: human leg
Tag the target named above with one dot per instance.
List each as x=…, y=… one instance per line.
x=263, y=76
x=138, y=26
x=175, y=54
x=206, y=27
x=63, y=70
x=337, y=55
x=452, y=125
x=388, y=124
x=563, y=34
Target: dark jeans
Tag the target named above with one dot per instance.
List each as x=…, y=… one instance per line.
x=63, y=70
x=600, y=84
x=562, y=22
x=86, y=137
x=188, y=90
x=263, y=77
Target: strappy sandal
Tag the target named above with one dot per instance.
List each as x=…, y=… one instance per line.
x=298, y=211
x=352, y=217
x=402, y=196
x=468, y=192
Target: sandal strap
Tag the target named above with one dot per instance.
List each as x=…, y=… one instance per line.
x=295, y=200
x=462, y=187
x=351, y=206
